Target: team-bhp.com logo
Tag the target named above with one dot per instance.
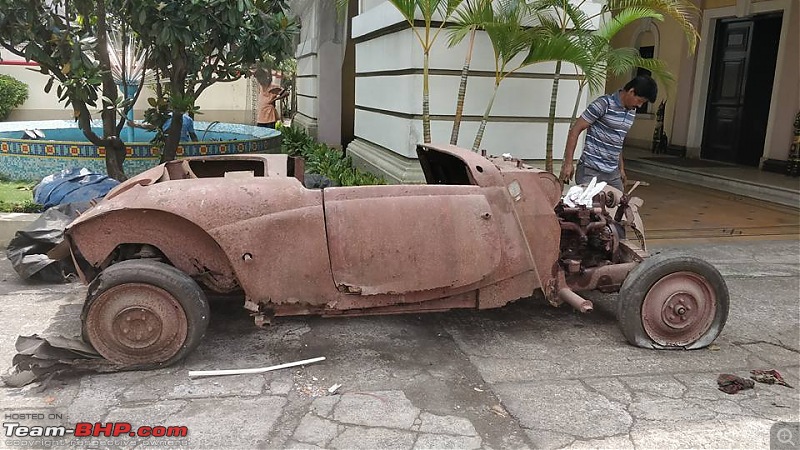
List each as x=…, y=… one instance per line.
x=87, y=429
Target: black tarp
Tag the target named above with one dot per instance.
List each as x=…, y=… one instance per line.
x=27, y=251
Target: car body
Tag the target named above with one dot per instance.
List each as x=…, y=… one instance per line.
x=483, y=232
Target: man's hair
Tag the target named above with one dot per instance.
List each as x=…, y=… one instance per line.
x=643, y=86
x=264, y=77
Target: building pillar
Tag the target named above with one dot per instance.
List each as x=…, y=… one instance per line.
x=319, y=54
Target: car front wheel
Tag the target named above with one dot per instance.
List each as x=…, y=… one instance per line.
x=142, y=313
x=673, y=302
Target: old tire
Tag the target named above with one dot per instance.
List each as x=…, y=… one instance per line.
x=670, y=302
x=144, y=314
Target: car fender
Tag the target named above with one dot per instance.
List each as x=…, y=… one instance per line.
x=186, y=245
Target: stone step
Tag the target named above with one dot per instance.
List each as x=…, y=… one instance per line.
x=781, y=195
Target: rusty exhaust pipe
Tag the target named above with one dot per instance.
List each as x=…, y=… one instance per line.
x=575, y=300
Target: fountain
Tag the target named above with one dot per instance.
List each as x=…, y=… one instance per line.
x=54, y=145
x=64, y=146
x=128, y=69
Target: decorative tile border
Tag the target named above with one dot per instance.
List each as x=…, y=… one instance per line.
x=32, y=160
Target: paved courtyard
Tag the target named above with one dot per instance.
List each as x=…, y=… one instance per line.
x=525, y=376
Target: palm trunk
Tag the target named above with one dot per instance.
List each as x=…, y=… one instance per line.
x=551, y=120
x=577, y=102
x=482, y=127
x=462, y=91
x=426, y=107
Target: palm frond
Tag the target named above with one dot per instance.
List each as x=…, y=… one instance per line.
x=505, y=32
x=471, y=15
x=448, y=7
x=507, y=41
x=624, y=18
x=567, y=14
x=457, y=34
x=684, y=12
x=620, y=61
x=548, y=21
x=407, y=8
x=558, y=48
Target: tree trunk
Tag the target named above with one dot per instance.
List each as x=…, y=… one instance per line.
x=551, y=120
x=577, y=102
x=479, y=136
x=426, y=106
x=115, y=156
x=177, y=81
x=115, y=147
x=173, y=137
x=462, y=91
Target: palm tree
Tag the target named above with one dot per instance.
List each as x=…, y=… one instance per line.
x=469, y=19
x=684, y=12
x=559, y=17
x=566, y=16
x=617, y=61
x=428, y=9
x=511, y=34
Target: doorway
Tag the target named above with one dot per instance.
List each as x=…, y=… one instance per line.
x=740, y=89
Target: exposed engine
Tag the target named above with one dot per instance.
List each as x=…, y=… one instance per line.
x=590, y=236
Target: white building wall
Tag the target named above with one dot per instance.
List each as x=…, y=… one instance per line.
x=388, y=98
x=225, y=102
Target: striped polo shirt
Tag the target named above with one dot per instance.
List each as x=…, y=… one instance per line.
x=610, y=122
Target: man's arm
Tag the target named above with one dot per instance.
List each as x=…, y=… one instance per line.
x=622, y=175
x=144, y=126
x=284, y=93
x=567, y=168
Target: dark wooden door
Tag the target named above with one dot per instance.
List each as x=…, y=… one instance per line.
x=726, y=97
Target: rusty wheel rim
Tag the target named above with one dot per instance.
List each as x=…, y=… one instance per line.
x=136, y=323
x=679, y=309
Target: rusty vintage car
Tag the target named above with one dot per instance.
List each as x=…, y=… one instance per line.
x=483, y=232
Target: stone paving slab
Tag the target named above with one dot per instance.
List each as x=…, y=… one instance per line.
x=525, y=376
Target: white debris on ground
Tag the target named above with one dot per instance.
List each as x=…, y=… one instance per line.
x=582, y=196
x=310, y=386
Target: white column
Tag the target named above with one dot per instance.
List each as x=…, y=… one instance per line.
x=319, y=67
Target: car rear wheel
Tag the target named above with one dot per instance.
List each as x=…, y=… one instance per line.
x=142, y=313
x=673, y=302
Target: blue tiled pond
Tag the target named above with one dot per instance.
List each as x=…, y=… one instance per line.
x=64, y=146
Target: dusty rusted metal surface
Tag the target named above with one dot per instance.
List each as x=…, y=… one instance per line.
x=185, y=244
x=465, y=300
x=136, y=323
x=431, y=237
x=604, y=278
x=678, y=309
x=483, y=232
x=577, y=302
x=501, y=292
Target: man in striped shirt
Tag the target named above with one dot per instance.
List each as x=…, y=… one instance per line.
x=607, y=120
